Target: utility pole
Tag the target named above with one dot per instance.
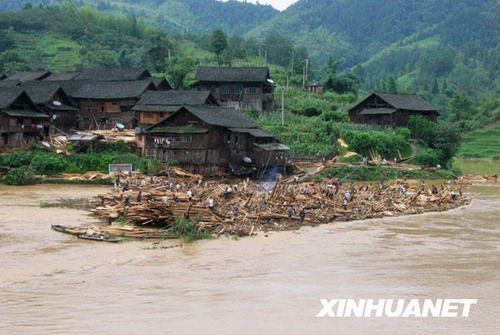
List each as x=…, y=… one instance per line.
x=304, y=77
x=307, y=70
x=282, y=106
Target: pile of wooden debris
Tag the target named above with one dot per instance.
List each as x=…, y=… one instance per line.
x=243, y=207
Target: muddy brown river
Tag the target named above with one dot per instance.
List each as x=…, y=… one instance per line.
x=51, y=283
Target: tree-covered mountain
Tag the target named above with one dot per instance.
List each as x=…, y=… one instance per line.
x=433, y=47
x=195, y=16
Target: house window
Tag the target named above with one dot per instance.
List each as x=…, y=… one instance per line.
x=227, y=138
x=235, y=138
x=186, y=139
x=225, y=89
x=237, y=90
x=252, y=90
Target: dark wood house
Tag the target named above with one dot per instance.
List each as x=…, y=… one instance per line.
x=104, y=104
x=155, y=106
x=205, y=139
x=51, y=99
x=20, y=118
x=244, y=88
x=388, y=109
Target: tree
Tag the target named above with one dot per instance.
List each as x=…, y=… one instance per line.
x=462, y=109
x=159, y=49
x=447, y=139
x=391, y=86
x=11, y=61
x=218, y=44
x=6, y=41
x=178, y=68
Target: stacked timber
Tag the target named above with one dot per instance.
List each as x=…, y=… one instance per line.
x=243, y=207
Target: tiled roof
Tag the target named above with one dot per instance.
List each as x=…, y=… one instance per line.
x=233, y=74
x=162, y=101
x=113, y=74
x=113, y=89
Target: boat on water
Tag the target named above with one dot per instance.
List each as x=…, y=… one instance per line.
x=82, y=233
x=100, y=238
x=68, y=230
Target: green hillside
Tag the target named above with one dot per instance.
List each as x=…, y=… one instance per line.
x=482, y=143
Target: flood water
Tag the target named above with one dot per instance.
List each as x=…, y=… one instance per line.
x=51, y=283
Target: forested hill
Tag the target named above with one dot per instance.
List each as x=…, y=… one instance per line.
x=195, y=16
x=357, y=29
x=429, y=46
x=433, y=47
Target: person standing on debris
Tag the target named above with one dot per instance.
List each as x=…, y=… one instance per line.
x=353, y=188
x=347, y=199
x=347, y=196
x=434, y=189
x=125, y=187
x=381, y=183
x=190, y=195
x=117, y=181
x=211, y=203
x=139, y=196
x=423, y=185
x=291, y=212
x=228, y=191
x=235, y=212
x=302, y=215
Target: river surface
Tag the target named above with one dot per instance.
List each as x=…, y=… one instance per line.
x=51, y=283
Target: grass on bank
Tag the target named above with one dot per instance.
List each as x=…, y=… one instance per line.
x=478, y=166
x=482, y=143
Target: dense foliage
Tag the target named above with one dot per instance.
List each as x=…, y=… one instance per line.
x=25, y=164
x=443, y=138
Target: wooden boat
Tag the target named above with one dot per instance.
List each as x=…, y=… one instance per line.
x=100, y=238
x=67, y=230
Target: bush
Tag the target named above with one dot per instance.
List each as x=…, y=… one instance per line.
x=386, y=144
x=16, y=159
x=428, y=157
x=20, y=176
x=48, y=164
x=187, y=229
